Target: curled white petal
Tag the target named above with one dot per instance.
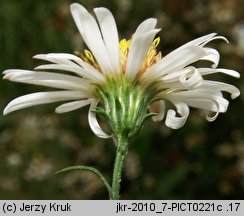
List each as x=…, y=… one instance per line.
x=183, y=56
x=212, y=118
x=195, y=42
x=176, y=122
x=67, y=107
x=220, y=86
x=212, y=55
x=215, y=38
x=93, y=122
x=191, y=78
x=159, y=108
x=41, y=98
x=202, y=98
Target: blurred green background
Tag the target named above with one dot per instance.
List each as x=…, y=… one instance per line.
x=200, y=161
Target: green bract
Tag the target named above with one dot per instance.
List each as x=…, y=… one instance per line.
x=124, y=104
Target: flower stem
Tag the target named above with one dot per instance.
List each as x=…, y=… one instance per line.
x=122, y=146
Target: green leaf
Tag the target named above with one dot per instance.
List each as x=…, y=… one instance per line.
x=87, y=168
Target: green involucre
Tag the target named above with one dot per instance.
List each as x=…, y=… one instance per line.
x=124, y=104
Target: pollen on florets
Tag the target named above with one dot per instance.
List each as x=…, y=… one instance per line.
x=88, y=58
x=152, y=56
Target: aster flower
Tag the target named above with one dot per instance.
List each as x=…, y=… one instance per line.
x=127, y=81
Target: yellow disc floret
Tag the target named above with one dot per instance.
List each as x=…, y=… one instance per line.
x=151, y=58
x=124, y=46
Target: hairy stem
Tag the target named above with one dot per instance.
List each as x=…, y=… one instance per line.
x=122, y=146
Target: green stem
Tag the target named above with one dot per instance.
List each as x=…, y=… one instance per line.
x=122, y=146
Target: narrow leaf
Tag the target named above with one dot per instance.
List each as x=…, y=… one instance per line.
x=87, y=168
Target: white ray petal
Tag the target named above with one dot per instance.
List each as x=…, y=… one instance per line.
x=42, y=98
x=173, y=76
x=159, y=108
x=171, y=63
x=62, y=67
x=67, y=107
x=175, y=57
x=93, y=76
x=110, y=36
x=75, y=9
x=212, y=118
x=190, y=78
x=61, y=58
x=91, y=34
x=213, y=104
x=220, y=86
x=206, y=99
x=187, y=78
x=53, y=57
x=187, y=56
x=176, y=122
x=92, y=119
x=184, y=55
x=195, y=42
x=215, y=38
x=54, y=80
x=64, y=62
x=212, y=55
x=137, y=52
x=65, y=59
x=207, y=71
x=146, y=26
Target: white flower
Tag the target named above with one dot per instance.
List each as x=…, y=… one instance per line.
x=135, y=62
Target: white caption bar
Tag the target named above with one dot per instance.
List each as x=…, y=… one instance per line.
x=113, y=208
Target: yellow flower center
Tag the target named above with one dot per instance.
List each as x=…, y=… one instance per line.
x=151, y=58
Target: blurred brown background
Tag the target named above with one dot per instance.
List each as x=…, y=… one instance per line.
x=200, y=161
